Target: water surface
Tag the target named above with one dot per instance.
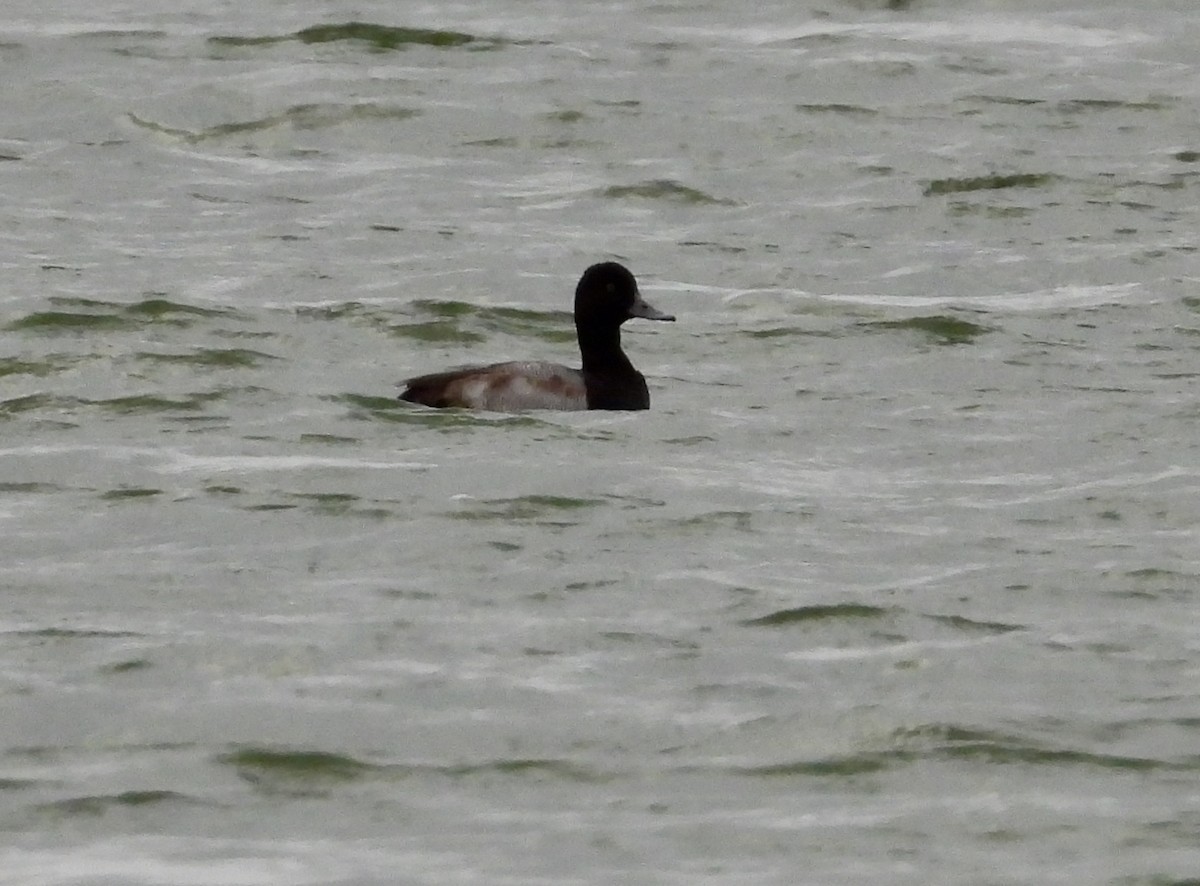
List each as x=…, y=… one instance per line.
x=897, y=582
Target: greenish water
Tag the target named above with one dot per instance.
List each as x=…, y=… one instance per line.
x=897, y=581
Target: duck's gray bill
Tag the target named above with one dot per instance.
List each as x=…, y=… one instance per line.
x=642, y=308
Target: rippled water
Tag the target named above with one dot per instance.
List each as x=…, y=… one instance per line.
x=897, y=582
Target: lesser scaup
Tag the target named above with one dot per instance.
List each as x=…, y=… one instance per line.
x=607, y=296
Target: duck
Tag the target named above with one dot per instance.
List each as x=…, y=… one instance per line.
x=607, y=295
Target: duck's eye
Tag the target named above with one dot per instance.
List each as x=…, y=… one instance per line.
x=610, y=288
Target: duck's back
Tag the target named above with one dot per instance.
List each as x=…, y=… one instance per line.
x=501, y=387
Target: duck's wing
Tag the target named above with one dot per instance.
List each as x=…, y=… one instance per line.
x=500, y=387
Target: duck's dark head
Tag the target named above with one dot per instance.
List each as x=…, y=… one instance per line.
x=608, y=295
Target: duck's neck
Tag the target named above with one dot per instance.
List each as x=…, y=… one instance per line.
x=601, y=349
